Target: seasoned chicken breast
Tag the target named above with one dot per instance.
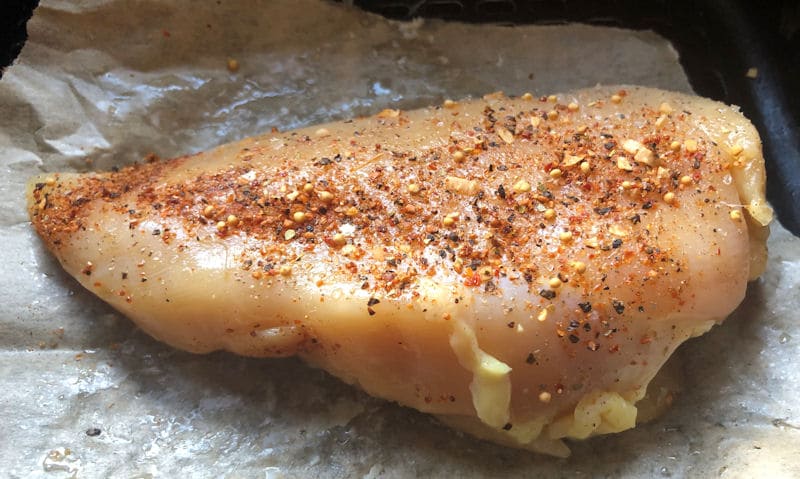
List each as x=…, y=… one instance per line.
x=521, y=267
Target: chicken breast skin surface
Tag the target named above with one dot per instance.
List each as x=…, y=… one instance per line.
x=521, y=267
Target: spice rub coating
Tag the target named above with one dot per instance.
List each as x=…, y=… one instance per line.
x=575, y=240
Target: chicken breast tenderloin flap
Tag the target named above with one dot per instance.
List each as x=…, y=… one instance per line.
x=521, y=267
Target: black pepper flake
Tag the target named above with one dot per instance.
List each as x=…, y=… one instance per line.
x=511, y=324
x=647, y=205
x=371, y=311
x=585, y=307
x=373, y=301
x=323, y=162
x=609, y=146
x=501, y=192
x=93, y=432
x=507, y=427
x=641, y=309
x=530, y=359
x=573, y=339
x=124, y=275
x=490, y=287
x=604, y=211
x=573, y=325
x=635, y=219
x=81, y=201
x=616, y=243
x=618, y=305
x=547, y=294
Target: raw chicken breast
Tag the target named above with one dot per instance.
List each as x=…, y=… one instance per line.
x=521, y=267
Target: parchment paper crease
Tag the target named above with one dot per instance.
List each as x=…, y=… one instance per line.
x=85, y=394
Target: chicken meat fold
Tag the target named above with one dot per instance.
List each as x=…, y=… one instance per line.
x=521, y=267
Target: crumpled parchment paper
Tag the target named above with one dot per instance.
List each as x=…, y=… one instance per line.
x=83, y=393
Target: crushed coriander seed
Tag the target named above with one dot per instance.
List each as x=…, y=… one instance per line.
x=624, y=164
x=522, y=186
x=545, y=397
x=579, y=267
